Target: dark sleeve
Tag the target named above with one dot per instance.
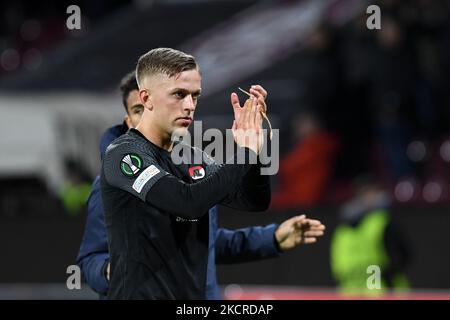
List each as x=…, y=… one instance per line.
x=253, y=194
x=109, y=136
x=247, y=244
x=193, y=200
x=167, y=192
x=94, y=255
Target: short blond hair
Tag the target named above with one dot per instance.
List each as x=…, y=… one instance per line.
x=164, y=60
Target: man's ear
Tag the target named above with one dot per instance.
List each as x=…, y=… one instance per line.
x=128, y=121
x=145, y=97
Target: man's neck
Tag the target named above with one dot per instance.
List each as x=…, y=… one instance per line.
x=155, y=137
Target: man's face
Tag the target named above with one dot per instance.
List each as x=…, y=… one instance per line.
x=135, y=108
x=172, y=100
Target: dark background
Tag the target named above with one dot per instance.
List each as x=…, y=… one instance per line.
x=383, y=94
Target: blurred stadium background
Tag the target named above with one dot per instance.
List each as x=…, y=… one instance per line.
x=378, y=99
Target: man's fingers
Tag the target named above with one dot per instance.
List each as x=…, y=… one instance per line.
x=257, y=94
x=303, y=223
x=245, y=114
x=255, y=113
x=236, y=104
x=313, y=233
x=300, y=223
x=258, y=89
x=235, y=100
x=315, y=226
x=261, y=95
x=305, y=240
x=313, y=221
x=259, y=119
x=307, y=230
x=310, y=240
x=262, y=105
x=297, y=220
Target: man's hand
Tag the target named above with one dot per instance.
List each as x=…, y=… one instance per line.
x=247, y=129
x=247, y=125
x=258, y=92
x=297, y=230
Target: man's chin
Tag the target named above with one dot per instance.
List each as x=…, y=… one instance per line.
x=179, y=133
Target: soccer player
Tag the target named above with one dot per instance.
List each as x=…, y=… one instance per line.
x=155, y=210
x=225, y=246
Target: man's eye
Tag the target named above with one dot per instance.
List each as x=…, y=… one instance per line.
x=138, y=111
x=180, y=95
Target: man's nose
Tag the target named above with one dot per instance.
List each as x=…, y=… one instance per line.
x=189, y=103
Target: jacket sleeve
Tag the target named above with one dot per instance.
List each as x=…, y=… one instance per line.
x=253, y=193
x=158, y=188
x=109, y=136
x=93, y=256
x=246, y=245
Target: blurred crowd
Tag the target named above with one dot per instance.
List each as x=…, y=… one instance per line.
x=383, y=95
x=27, y=28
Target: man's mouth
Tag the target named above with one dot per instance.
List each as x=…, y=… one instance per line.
x=185, y=120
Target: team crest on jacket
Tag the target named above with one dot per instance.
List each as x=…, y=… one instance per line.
x=196, y=172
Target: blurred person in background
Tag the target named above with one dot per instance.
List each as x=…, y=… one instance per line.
x=225, y=246
x=365, y=236
x=306, y=170
x=77, y=186
x=392, y=94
